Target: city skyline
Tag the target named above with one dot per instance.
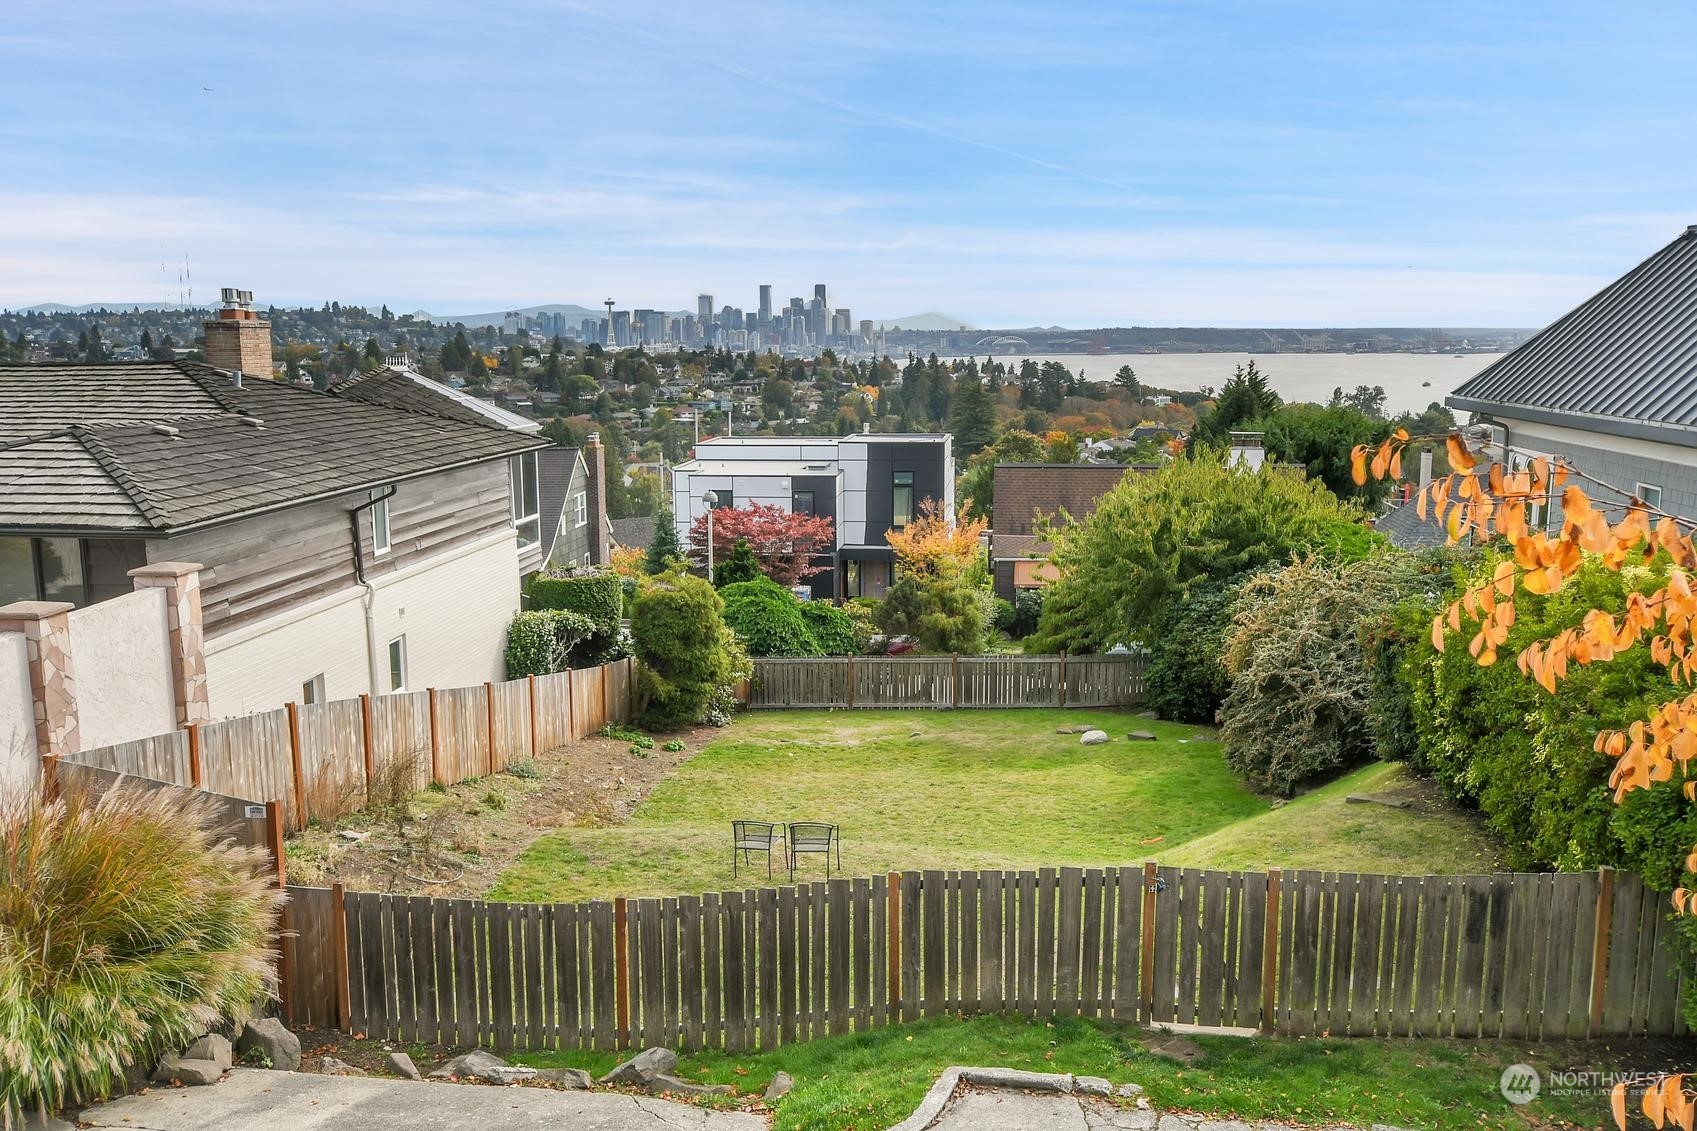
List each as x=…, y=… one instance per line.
x=1083, y=165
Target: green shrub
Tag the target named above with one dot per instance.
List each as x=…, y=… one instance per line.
x=739, y=566
x=1002, y=615
x=690, y=659
x=1298, y=705
x=863, y=620
x=1027, y=608
x=126, y=928
x=594, y=593
x=540, y=641
x=1187, y=680
x=833, y=630
x=768, y=619
x=939, y=611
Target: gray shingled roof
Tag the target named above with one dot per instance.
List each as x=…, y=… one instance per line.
x=1624, y=361
x=633, y=533
x=164, y=447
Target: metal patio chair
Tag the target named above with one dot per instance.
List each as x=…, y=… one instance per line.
x=754, y=836
x=816, y=837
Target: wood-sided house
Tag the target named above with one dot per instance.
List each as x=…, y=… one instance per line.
x=347, y=544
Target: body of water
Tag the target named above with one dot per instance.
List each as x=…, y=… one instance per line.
x=1411, y=380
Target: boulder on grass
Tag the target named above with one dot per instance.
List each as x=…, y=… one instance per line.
x=473, y=1063
x=511, y=1073
x=642, y=1068
x=214, y=1047
x=401, y=1065
x=1093, y=738
x=575, y=1078
x=330, y=1066
x=1141, y=736
x=273, y=1041
x=779, y=1087
x=192, y=1072
x=663, y=1085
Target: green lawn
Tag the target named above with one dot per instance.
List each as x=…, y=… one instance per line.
x=971, y=789
x=873, y=1080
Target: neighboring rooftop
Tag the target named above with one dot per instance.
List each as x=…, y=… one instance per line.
x=1623, y=362
x=155, y=447
x=413, y=391
x=633, y=533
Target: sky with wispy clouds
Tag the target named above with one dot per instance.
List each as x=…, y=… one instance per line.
x=1127, y=162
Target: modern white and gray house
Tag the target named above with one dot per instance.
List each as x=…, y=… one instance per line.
x=1610, y=387
x=867, y=484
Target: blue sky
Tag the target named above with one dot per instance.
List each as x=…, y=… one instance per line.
x=1012, y=164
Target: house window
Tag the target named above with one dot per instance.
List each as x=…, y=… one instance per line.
x=582, y=504
x=1651, y=495
x=42, y=569
x=398, y=664
x=586, y=562
x=801, y=502
x=851, y=579
x=523, y=496
x=312, y=691
x=380, y=527
x=902, y=500
x=723, y=497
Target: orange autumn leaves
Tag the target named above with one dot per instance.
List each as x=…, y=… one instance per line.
x=1666, y=1103
x=1500, y=503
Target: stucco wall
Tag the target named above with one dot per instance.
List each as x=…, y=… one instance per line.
x=19, y=764
x=121, y=657
x=452, y=607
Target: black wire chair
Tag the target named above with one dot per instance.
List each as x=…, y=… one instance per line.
x=754, y=836
x=816, y=837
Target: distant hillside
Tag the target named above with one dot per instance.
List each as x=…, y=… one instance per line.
x=930, y=320
x=91, y=307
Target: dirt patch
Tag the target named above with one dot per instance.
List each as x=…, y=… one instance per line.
x=456, y=841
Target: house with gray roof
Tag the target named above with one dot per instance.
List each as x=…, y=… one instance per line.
x=347, y=543
x=1610, y=387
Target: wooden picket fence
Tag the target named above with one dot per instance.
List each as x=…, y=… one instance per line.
x=948, y=681
x=320, y=759
x=1517, y=956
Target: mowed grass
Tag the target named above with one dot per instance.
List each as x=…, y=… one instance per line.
x=873, y=1080
x=909, y=790
x=1323, y=831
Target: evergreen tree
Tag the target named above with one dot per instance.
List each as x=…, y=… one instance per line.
x=740, y=566
x=973, y=420
x=663, y=547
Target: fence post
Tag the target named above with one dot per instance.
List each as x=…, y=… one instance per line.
x=339, y=955
x=530, y=692
x=1600, y=947
x=894, y=880
x=435, y=744
x=621, y=970
x=489, y=715
x=1270, y=951
x=851, y=690
x=194, y=754
x=365, y=739
x=295, y=762
x=606, y=715
x=50, y=777
x=571, y=705
x=1061, y=682
x=274, y=840
x=1146, y=980
x=954, y=680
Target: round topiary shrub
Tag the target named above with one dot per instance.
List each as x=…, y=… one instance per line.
x=127, y=927
x=689, y=657
x=768, y=619
x=539, y=641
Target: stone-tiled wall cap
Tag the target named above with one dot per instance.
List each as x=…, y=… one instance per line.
x=34, y=610
x=167, y=569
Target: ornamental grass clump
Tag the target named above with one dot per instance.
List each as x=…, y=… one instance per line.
x=128, y=926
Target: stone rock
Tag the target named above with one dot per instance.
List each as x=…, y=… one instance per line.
x=573, y=1078
x=35, y=1121
x=1091, y=1086
x=1126, y=1091
x=401, y=1065
x=474, y=1063
x=192, y=1072
x=642, y=1068
x=779, y=1087
x=663, y=1084
x=1177, y=1049
x=214, y=1047
x=1141, y=736
x=330, y=1066
x=511, y=1074
x=269, y=1036
x=1071, y=730
x=1093, y=738
x=1148, y=714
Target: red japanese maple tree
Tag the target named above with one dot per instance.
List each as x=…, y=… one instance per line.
x=782, y=542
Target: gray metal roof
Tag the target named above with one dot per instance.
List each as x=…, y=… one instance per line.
x=1624, y=361
x=145, y=448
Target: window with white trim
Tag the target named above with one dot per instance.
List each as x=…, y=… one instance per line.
x=380, y=542
x=1650, y=494
x=398, y=664
x=312, y=691
x=523, y=497
x=582, y=505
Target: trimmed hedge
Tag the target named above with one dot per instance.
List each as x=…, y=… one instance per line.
x=598, y=595
x=539, y=641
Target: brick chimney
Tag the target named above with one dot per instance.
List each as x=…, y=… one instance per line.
x=595, y=458
x=238, y=340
